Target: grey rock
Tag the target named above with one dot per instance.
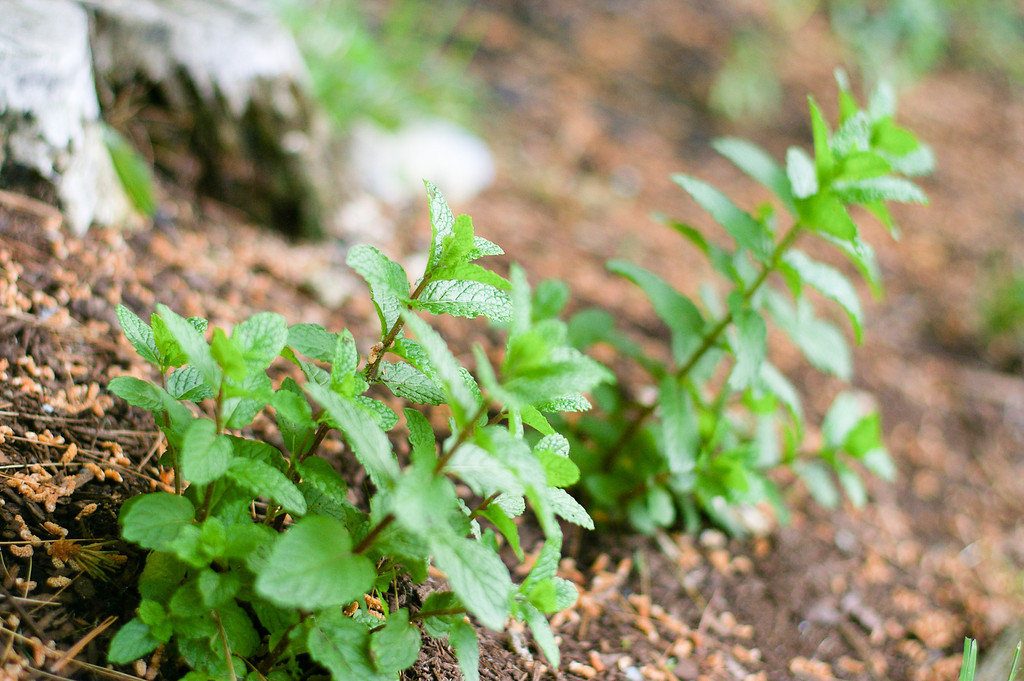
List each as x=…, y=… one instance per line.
x=51, y=144
x=239, y=118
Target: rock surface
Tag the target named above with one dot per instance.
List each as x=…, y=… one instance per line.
x=233, y=113
x=214, y=92
x=392, y=165
x=51, y=144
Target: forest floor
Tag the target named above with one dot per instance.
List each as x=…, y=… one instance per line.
x=592, y=112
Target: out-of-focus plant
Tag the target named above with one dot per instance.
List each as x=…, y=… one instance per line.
x=968, y=667
x=723, y=418
x=896, y=41
x=411, y=60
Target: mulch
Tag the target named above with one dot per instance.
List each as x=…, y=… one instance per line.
x=593, y=110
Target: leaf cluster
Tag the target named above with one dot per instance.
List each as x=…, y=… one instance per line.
x=260, y=564
x=724, y=416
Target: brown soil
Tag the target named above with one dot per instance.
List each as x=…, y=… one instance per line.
x=593, y=110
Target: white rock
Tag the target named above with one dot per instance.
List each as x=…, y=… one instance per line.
x=51, y=144
x=393, y=164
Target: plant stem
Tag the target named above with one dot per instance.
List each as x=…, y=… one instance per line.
x=370, y=372
x=205, y=508
x=227, y=648
x=268, y=662
x=482, y=506
x=709, y=341
x=170, y=448
x=374, y=533
x=464, y=434
x=424, y=614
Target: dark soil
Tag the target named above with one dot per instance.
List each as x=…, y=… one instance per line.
x=595, y=106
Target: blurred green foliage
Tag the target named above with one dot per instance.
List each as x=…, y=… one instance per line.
x=405, y=59
x=896, y=41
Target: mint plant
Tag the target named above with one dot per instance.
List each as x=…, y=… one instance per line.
x=262, y=566
x=724, y=417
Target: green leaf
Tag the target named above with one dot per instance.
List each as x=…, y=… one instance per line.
x=131, y=642
x=750, y=344
x=778, y=385
x=549, y=299
x=341, y=644
x=456, y=246
x=802, y=173
x=876, y=189
x=504, y=524
x=822, y=152
x=247, y=399
x=313, y=341
x=825, y=214
x=821, y=342
x=444, y=365
x=261, y=479
x=747, y=232
x=161, y=576
x=228, y=355
x=408, y=382
x=421, y=437
x=187, y=383
x=312, y=567
x=132, y=170
x=257, y=450
x=477, y=576
x=753, y=160
x=483, y=472
x=137, y=393
x=863, y=165
x=819, y=483
x=322, y=475
x=389, y=285
x=852, y=485
x=542, y=634
x=532, y=417
x=676, y=310
x=171, y=354
x=217, y=588
x=853, y=136
x=563, y=372
x=345, y=361
x=842, y=417
x=244, y=540
x=462, y=298
x=261, y=338
x=397, y=645
x=442, y=224
x=970, y=661
x=139, y=334
x=192, y=345
x=542, y=596
x=892, y=139
x=679, y=428
x=467, y=648
x=564, y=506
x=471, y=272
x=241, y=635
x=652, y=510
x=560, y=471
x=566, y=594
x=573, y=402
x=862, y=256
x=829, y=282
x=483, y=247
x=368, y=441
x=153, y=521
x=205, y=456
